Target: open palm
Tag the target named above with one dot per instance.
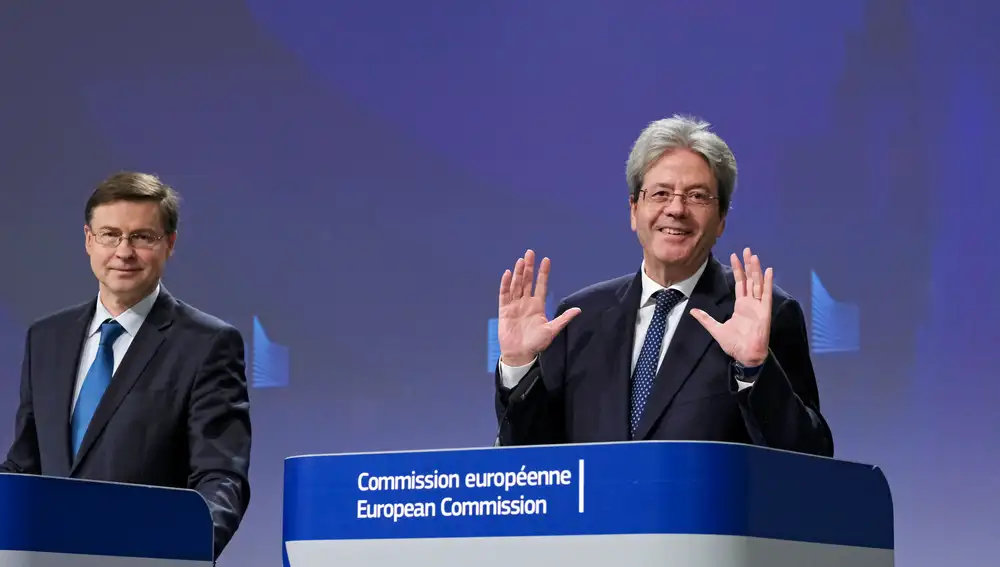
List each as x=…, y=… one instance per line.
x=523, y=330
x=746, y=334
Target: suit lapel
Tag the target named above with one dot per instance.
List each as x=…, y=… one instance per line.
x=688, y=345
x=618, y=330
x=144, y=346
x=68, y=347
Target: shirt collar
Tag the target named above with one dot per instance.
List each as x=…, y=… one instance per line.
x=649, y=287
x=131, y=319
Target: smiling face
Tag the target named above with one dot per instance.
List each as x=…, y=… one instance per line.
x=128, y=249
x=677, y=234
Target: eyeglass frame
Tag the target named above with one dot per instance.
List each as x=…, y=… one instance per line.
x=130, y=237
x=684, y=197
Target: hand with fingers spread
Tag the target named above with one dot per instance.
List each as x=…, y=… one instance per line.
x=523, y=330
x=746, y=334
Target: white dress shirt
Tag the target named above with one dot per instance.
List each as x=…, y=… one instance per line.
x=130, y=320
x=511, y=375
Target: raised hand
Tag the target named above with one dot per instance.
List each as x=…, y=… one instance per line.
x=523, y=330
x=746, y=334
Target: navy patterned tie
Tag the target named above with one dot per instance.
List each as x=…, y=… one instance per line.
x=649, y=356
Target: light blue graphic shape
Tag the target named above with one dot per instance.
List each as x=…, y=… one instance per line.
x=836, y=326
x=270, y=360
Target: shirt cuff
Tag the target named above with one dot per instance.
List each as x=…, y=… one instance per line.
x=511, y=375
x=744, y=376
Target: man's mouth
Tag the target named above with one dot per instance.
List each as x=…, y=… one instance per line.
x=673, y=231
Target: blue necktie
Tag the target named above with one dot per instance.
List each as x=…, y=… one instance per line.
x=649, y=356
x=96, y=382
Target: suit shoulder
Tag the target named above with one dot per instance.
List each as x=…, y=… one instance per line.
x=196, y=320
x=606, y=292
x=63, y=317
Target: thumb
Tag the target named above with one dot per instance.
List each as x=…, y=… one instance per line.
x=561, y=321
x=706, y=320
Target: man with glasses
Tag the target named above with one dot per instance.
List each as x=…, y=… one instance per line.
x=684, y=349
x=135, y=386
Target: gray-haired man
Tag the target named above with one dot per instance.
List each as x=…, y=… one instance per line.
x=686, y=348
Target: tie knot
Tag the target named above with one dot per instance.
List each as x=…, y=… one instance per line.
x=110, y=331
x=667, y=299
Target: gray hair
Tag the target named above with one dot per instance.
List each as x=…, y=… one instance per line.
x=688, y=133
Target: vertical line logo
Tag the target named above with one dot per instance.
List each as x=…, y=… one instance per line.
x=270, y=361
x=492, y=345
x=836, y=326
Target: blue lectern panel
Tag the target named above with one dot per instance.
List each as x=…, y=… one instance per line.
x=614, y=488
x=57, y=515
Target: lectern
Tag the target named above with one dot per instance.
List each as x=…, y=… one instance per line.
x=607, y=504
x=59, y=522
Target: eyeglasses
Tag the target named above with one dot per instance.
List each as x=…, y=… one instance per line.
x=142, y=239
x=697, y=197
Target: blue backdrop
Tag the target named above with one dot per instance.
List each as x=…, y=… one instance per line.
x=357, y=176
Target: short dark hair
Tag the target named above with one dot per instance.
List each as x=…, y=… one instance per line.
x=137, y=187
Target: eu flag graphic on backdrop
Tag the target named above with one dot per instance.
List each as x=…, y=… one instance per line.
x=270, y=366
x=836, y=326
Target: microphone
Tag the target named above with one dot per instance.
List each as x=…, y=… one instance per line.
x=517, y=395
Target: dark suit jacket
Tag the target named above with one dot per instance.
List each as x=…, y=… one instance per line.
x=583, y=392
x=176, y=413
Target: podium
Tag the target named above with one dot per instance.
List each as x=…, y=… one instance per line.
x=60, y=522
x=621, y=504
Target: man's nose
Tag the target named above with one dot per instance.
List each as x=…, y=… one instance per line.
x=675, y=206
x=125, y=249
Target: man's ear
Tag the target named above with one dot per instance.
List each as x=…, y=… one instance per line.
x=632, y=208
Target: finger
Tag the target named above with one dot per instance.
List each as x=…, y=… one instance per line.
x=515, y=283
x=561, y=321
x=756, y=277
x=707, y=321
x=766, y=297
x=529, y=273
x=542, y=285
x=739, y=275
x=505, y=288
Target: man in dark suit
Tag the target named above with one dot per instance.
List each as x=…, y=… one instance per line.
x=136, y=386
x=685, y=349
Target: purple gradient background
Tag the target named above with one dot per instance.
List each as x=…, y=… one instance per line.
x=358, y=175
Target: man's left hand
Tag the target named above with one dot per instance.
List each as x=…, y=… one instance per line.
x=745, y=335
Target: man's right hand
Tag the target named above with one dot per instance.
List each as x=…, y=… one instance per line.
x=522, y=329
